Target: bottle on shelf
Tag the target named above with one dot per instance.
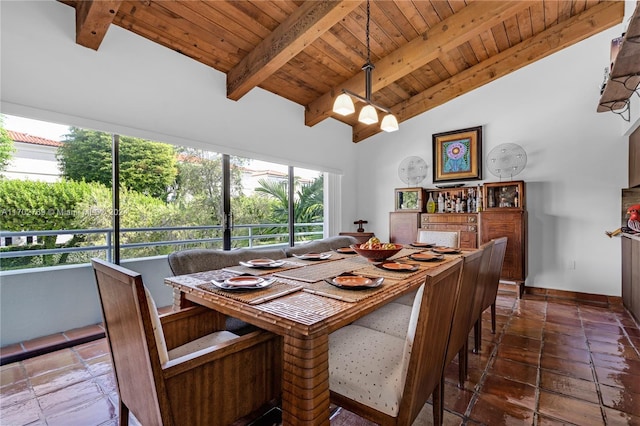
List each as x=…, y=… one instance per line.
x=479, y=202
x=440, y=203
x=516, y=199
x=431, y=205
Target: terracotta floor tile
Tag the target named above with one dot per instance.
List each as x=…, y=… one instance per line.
x=543, y=420
x=59, y=379
x=621, y=399
x=11, y=373
x=100, y=365
x=517, y=371
x=569, y=386
x=46, y=363
x=22, y=413
x=566, y=352
x=514, y=353
x=579, y=342
x=567, y=367
x=93, y=413
x=613, y=362
x=527, y=343
x=93, y=349
x=618, y=418
x=455, y=399
x=619, y=378
x=69, y=397
x=634, y=332
x=510, y=391
x=624, y=350
x=561, y=328
x=493, y=410
x=15, y=392
x=570, y=409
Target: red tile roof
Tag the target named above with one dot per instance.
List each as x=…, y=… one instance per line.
x=36, y=140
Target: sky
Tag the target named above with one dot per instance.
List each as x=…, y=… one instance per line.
x=35, y=128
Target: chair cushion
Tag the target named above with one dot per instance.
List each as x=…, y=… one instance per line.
x=392, y=318
x=199, y=260
x=201, y=343
x=157, y=328
x=407, y=299
x=439, y=238
x=366, y=365
x=323, y=245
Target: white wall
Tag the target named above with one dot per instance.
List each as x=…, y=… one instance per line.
x=33, y=162
x=577, y=162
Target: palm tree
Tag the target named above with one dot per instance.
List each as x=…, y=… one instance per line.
x=308, y=204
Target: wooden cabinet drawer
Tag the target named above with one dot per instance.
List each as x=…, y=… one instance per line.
x=456, y=218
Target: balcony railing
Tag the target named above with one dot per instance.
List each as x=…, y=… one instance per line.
x=100, y=242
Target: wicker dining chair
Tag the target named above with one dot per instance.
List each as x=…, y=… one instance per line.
x=388, y=379
x=176, y=369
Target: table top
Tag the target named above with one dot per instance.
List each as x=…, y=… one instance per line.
x=302, y=302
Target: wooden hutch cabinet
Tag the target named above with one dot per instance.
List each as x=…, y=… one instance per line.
x=504, y=215
x=403, y=227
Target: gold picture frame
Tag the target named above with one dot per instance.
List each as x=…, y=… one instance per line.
x=457, y=155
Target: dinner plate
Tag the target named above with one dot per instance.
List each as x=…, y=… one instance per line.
x=399, y=267
x=355, y=282
x=419, y=244
x=313, y=256
x=426, y=257
x=445, y=250
x=345, y=250
x=243, y=281
x=232, y=286
x=263, y=263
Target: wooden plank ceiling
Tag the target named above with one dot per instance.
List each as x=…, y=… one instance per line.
x=425, y=52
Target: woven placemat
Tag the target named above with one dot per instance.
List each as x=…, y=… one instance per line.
x=240, y=269
x=406, y=251
x=334, y=255
x=375, y=271
x=320, y=271
x=253, y=297
x=323, y=288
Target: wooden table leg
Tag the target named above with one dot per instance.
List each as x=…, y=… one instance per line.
x=305, y=387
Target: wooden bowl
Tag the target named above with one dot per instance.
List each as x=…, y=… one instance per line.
x=376, y=255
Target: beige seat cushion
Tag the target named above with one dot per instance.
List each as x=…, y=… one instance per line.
x=439, y=238
x=392, y=318
x=366, y=366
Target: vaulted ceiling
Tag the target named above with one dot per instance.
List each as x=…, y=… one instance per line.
x=425, y=52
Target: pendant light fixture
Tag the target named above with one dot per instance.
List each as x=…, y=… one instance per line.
x=343, y=104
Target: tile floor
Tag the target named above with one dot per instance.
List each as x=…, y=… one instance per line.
x=552, y=361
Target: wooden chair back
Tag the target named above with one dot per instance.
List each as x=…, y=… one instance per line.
x=432, y=330
x=495, y=270
x=132, y=344
x=484, y=276
x=462, y=317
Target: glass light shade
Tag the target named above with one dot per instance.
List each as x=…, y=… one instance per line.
x=389, y=123
x=368, y=115
x=343, y=105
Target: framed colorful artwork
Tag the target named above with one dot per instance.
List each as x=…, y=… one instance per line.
x=457, y=155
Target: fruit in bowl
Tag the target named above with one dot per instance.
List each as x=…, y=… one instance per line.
x=376, y=251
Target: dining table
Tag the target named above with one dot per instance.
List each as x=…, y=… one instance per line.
x=304, y=303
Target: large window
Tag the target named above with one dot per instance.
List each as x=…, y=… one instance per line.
x=170, y=198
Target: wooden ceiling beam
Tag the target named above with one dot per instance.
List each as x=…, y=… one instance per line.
x=594, y=20
x=471, y=21
x=93, y=18
x=294, y=34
